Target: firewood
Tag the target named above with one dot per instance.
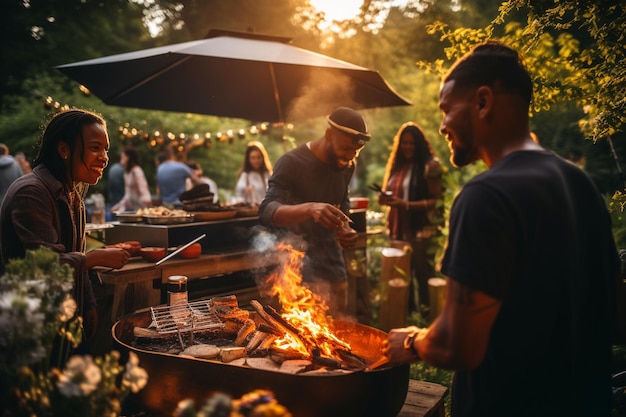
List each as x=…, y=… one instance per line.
x=351, y=360
x=248, y=327
x=267, y=342
x=326, y=362
x=266, y=328
x=281, y=355
x=229, y=354
x=255, y=341
x=230, y=300
x=276, y=320
x=149, y=333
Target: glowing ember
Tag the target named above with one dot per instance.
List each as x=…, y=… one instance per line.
x=303, y=309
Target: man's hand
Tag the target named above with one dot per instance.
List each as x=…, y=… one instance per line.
x=346, y=236
x=328, y=216
x=394, y=347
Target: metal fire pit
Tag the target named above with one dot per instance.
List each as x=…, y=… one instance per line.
x=376, y=393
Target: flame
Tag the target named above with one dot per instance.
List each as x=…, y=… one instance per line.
x=302, y=308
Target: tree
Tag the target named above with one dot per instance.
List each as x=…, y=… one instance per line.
x=37, y=35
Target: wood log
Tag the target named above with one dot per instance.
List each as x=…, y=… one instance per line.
x=255, y=341
x=272, y=317
x=248, y=327
x=149, y=333
x=266, y=328
x=326, y=362
x=265, y=346
x=437, y=293
x=394, y=307
x=351, y=360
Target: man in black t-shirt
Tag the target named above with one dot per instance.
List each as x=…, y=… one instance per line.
x=530, y=260
x=308, y=196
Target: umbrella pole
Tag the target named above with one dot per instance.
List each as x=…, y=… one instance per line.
x=279, y=107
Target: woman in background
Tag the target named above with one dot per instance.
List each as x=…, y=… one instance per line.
x=413, y=188
x=136, y=191
x=46, y=207
x=253, y=178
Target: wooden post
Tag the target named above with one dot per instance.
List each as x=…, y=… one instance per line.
x=437, y=293
x=394, y=308
x=395, y=275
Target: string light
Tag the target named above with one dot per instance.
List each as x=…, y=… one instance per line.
x=178, y=140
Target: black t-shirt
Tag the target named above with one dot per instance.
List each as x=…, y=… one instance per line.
x=534, y=232
x=300, y=177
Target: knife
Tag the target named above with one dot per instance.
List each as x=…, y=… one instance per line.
x=182, y=248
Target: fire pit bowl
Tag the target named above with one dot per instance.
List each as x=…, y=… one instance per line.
x=376, y=393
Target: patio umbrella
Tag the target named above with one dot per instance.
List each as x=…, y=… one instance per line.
x=233, y=74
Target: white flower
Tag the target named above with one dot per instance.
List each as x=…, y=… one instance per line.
x=185, y=408
x=135, y=377
x=67, y=309
x=80, y=377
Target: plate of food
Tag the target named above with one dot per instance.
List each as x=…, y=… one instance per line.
x=129, y=217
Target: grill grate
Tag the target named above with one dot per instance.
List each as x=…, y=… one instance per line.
x=184, y=318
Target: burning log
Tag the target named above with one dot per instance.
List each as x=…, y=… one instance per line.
x=351, y=359
x=264, y=348
x=326, y=362
x=266, y=328
x=281, y=355
x=255, y=341
x=248, y=327
x=274, y=319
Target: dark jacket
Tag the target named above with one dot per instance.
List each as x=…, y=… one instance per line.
x=36, y=212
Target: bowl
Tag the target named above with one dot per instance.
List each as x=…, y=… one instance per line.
x=152, y=254
x=193, y=251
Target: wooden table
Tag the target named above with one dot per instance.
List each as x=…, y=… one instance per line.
x=424, y=399
x=139, y=284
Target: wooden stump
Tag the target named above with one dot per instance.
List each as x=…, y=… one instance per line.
x=437, y=293
x=394, y=308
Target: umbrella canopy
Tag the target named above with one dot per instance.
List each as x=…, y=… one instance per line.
x=231, y=74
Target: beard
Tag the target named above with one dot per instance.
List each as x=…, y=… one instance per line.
x=333, y=160
x=462, y=156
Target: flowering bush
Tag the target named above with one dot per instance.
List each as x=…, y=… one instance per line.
x=258, y=403
x=39, y=330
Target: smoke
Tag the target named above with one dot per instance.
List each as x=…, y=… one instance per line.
x=324, y=91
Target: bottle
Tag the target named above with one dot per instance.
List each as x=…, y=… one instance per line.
x=177, y=299
x=177, y=290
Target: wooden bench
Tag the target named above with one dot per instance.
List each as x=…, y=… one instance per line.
x=424, y=399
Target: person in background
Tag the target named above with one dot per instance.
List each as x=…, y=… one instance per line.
x=24, y=164
x=531, y=263
x=136, y=191
x=115, y=183
x=197, y=169
x=308, y=195
x=46, y=207
x=171, y=177
x=10, y=170
x=252, y=179
x=413, y=188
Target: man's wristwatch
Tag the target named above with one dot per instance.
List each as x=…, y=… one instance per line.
x=409, y=343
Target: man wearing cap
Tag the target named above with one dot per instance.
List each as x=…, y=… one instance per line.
x=308, y=195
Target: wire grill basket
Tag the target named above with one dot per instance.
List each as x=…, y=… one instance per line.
x=184, y=317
